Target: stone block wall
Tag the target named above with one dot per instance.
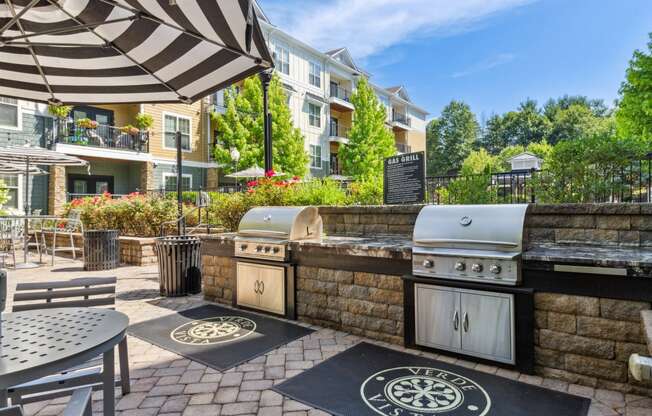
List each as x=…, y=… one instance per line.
x=218, y=278
x=628, y=225
x=587, y=340
x=365, y=304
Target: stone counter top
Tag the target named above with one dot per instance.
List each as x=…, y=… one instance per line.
x=637, y=260
x=377, y=246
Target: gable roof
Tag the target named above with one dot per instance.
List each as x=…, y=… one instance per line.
x=343, y=56
x=400, y=91
x=524, y=155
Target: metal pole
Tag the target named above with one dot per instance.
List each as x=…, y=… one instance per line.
x=266, y=79
x=26, y=228
x=179, y=188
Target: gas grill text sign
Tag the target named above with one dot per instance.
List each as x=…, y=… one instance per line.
x=405, y=179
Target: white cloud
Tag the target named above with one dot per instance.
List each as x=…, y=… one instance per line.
x=485, y=65
x=367, y=27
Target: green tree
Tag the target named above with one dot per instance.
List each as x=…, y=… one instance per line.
x=370, y=142
x=525, y=125
x=634, y=115
x=241, y=127
x=450, y=138
x=552, y=106
x=575, y=122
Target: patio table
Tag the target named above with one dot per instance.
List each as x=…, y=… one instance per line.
x=27, y=218
x=43, y=342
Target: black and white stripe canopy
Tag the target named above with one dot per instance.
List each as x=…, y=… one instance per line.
x=126, y=51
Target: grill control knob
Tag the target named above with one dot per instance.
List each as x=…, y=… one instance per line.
x=495, y=269
x=428, y=264
x=243, y=247
x=460, y=266
x=267, y=249
x=276, y=249
x=476, y=268
x=259, y=248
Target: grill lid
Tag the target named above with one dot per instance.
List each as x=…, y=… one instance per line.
x=283, y=223
x=474, y=227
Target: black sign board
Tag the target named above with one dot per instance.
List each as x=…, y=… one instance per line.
x=405, y=179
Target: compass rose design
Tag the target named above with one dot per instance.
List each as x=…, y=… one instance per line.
x=215, y=330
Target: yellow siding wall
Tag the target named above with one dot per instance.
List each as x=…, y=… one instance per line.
x=417, y=140
x=198, y=142
x=123, y=114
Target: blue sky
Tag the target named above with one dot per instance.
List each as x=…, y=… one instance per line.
x=492, y=54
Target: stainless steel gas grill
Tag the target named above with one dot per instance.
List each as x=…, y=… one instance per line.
x=480, y=243
x=265, y=275
x=463, y=294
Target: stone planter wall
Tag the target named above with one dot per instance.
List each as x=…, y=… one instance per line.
x=136, y=251
x=218, y=278
x=595, y=224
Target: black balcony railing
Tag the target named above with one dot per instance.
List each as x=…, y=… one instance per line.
x=339, y=131
x=103, y=136
x=403, y=148
x=401, y=118
x=341, y=93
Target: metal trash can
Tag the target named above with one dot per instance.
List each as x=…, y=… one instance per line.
x=101, y=250
x=179, y=265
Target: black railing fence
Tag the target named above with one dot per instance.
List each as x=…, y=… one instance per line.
x=102, y=136
x=631, y=182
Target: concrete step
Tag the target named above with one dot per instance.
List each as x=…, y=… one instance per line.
x=646, y=321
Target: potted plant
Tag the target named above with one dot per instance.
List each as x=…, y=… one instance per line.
x=130, y=130
x=60, y=112
x=144, y=121
x=86, y=123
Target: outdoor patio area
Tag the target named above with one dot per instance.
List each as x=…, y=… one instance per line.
x=164, y=383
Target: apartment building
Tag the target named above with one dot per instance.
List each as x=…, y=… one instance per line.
x=121, y=162
x=319, y=85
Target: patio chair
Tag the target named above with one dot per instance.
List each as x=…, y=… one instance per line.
x=35, y=227
x=64, y=226
x=82, y=292
x=11, y=238
x=79, y=405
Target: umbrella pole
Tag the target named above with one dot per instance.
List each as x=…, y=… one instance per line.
x=179, y=188
x=26, y=227
x=266, y=79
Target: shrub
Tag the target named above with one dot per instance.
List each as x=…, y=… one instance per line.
x=134, y=214
x=318, y=192
x=144, y=121
x=367, y=191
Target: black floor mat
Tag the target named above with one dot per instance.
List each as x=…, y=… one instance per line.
x=371, y=380
x=218, y=337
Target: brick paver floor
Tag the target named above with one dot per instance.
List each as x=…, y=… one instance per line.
x=167, y=384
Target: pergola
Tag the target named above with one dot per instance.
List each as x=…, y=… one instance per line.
x=128, y=51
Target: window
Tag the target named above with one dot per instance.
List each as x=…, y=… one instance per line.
x=170, y=181
x=12, y=185
x=314, y=115
x=315, y=156
x=314, y=75
x=10, y=116
x=282, y=56
x=172, y=123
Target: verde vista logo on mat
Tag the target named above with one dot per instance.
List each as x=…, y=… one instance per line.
x=215, y=330
x=420, y=391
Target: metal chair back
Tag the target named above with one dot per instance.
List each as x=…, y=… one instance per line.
x=74, y=221
x=82, y=292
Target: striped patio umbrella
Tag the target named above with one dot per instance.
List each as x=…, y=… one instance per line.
x=126, y=51
x=17, y=169
x=28, y=157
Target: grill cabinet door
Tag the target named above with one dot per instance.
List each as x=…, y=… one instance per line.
x=438, y=320
x=248, y=276
x=487, y=325
x=272, y=289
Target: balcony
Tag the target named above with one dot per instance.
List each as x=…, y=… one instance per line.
x=339, y=134
x=104, y=140
x=340, y=99
x=403, y=148
x=401, y=122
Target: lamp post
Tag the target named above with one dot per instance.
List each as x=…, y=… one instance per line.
x=266, y=79
x=235, y=157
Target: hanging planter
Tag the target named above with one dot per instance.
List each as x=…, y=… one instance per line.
x=86, y=123
x=130, y=130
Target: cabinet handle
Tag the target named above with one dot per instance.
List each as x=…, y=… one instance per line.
x=262, y=287
x=456, y=320
x=466, y=322
x=256, y=286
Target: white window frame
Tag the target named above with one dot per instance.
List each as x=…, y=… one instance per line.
x=315, y=157
x=314, y=73
x=174, y=175
x=311, y=116
x=19, y=115
x=178, y=116
x=280, y=63
x=19, y=191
